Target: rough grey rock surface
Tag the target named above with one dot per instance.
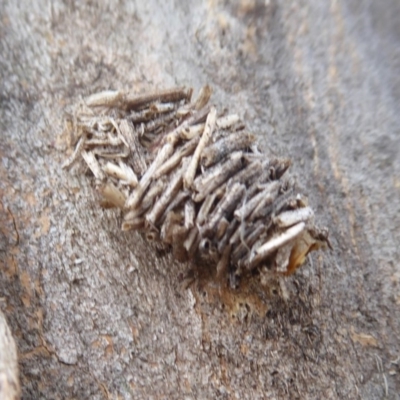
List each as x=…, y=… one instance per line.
x=100, y=314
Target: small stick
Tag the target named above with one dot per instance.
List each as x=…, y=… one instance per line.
x=208, y=130
x=274, y=244
x=196, y=118
x=137, y=194
x=279, y=167
x=162, y=203
x=175, y=202
x=110, y=152
x=205, y=209
x=247, y=176
x=113, y=195
x=200, y=102
x=154, y=111
x=244, y=229
x=132, y=139
x=120, y=137
x=263, y=210
x=109, y=98
x=255, y=182
x=154, y=191
x=243, y=249
x=209, y=181
x=229, y=232
x=104, y=141
x=133, y=224
x=122, y=172
x=176, y=158
x=265, y=197
x=227, y=121
x=135, y=101
x=235, y=237
x=159, y=123
x=191, y=131
x=161, y=108
x=224, y=146
x=226, y=205
x=136, y=213
x=192, y=239
x=202, y=98
x=289, y=218
x=76, y=153
x=93, y=164
x=221, y=228
x=189, y=213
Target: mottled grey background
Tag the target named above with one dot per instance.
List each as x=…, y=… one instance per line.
x=100, y=314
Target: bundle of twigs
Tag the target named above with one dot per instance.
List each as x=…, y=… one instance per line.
x=194, y=180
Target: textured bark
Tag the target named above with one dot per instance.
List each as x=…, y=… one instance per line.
x=97, y=313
